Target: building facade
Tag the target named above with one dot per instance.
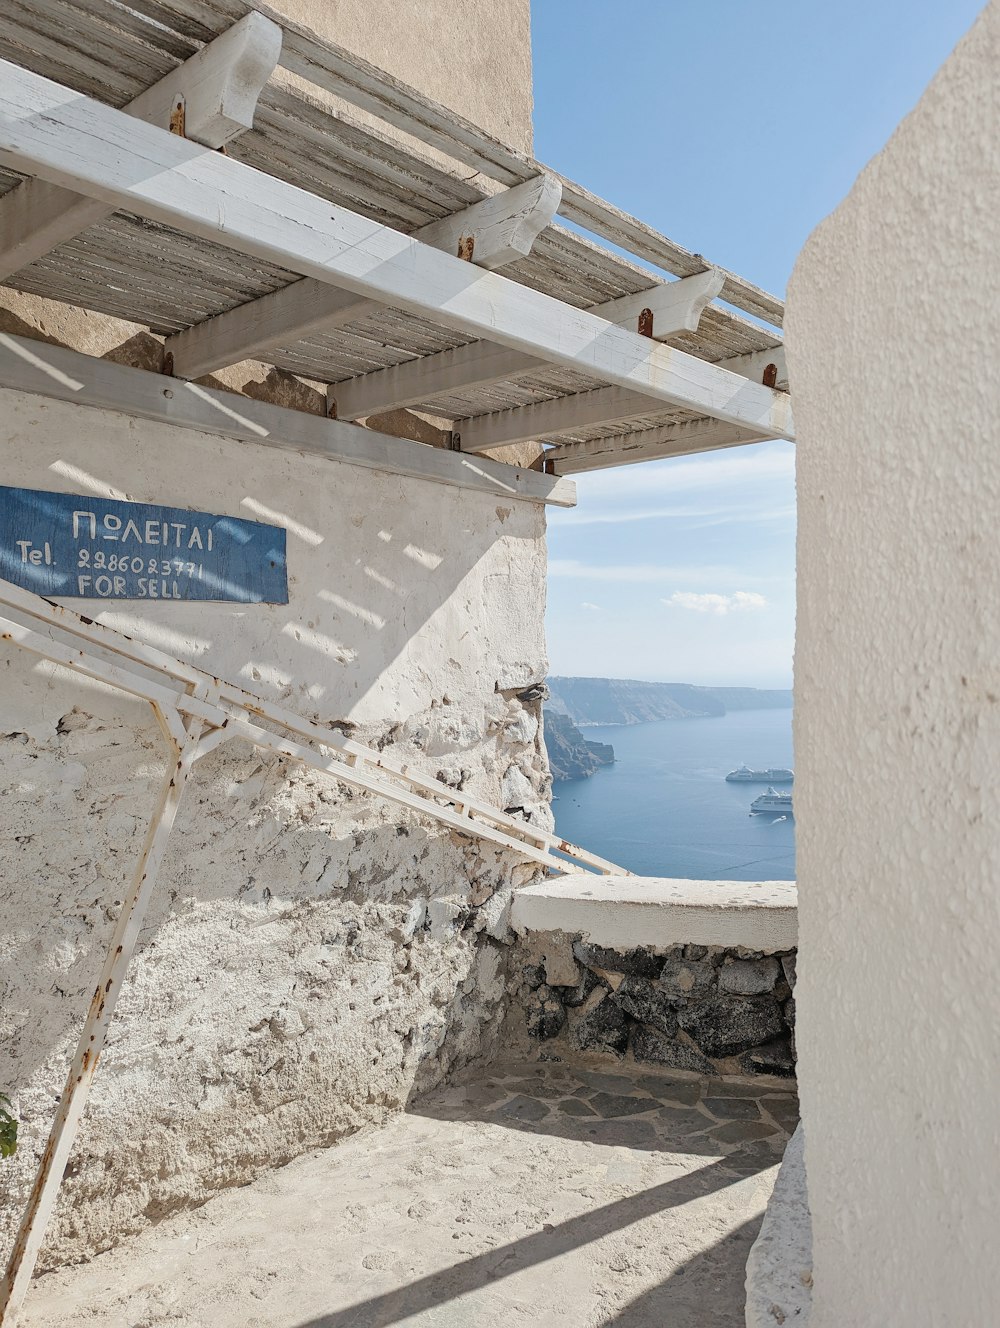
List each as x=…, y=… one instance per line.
x=310, y=958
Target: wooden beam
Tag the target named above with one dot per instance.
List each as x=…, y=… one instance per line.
x=756, y=364
x=66, y=375
x=491, y=233
x=583, y=410
x=579, y=410
x=474, y=365
x=79, y=143
x=210, y=98
x=346, y=75
x=676, y=306
x=680, y=439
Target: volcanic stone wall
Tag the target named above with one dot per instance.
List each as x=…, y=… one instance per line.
x=707, y=1009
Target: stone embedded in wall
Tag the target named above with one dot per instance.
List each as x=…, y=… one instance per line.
x=638, y=963
x=788, y=968
x=546, y=1014
x=771, y=1058
x=643, y=1003
x=588, y=984
x=728, y=1025
x=602, y=1027
x=749, y=977
x=650, y=1044
x=686, y=977
x=701, y=1009
x=559, y=962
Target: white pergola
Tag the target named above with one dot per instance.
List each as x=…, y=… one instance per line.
x=357, y=253
x=402, y=258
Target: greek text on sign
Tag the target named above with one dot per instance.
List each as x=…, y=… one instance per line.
x=78, y=546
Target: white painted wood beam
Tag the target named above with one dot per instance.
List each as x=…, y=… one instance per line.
x=73, y=141
x=583, y=410
x=67, y=375
x=210, y=98
x=580, y=410
x=490, y=234
x=475, y=365
x=347, y=75
x=756, y=364
x=676, y=306
x=626, y=449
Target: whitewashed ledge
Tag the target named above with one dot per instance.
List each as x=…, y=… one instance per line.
x=628, y=912
x=779, y=1270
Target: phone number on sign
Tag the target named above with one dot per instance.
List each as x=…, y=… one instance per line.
x=121, y=562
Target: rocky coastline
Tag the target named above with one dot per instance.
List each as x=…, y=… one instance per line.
x=571, y=755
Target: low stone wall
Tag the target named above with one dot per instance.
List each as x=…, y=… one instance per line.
x=719, y=1010
x=690, y=975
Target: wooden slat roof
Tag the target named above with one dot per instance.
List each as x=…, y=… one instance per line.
x=409, y=167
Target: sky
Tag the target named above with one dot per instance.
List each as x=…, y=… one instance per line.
x=733, y=128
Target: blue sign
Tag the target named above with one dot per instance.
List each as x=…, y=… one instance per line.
x=76, y=546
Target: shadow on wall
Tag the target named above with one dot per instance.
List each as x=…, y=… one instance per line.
x=311, y=953
x=310, y=958
x=400, y=590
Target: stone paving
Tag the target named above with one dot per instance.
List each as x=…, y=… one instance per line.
x=531, y=1196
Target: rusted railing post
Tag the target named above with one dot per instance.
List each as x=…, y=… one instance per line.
x=31, y=1232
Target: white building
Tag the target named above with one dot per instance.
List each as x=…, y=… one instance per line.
x=210, y=332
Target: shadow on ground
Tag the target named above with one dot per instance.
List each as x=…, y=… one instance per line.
x=741, y=1128
x=549, y=1243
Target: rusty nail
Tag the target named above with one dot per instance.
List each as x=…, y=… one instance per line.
x=646, y=323
x=466, y=245
x=770, y=375
x=331, y=408
x=177, y=118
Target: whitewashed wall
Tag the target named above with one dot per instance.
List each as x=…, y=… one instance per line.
x=474, y=56
x=312, y=954
x=894, y=338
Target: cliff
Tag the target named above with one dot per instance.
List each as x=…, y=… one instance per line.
x=571, y=756
x=591, y=701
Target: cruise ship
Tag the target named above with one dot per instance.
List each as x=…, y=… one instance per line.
x=773, y=801
x=744, y=775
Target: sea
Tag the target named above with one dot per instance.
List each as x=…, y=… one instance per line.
x=664, y=808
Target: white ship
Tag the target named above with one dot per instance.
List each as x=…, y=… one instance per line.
x=744, y=775
x=773, y=801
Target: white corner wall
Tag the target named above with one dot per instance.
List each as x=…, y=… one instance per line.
x=312, y=955
x=894, y=358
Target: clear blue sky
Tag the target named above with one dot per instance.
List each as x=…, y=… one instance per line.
x=734, y=128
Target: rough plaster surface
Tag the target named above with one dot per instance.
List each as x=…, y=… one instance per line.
x=312, y=954
x=626, y=911
x=534, y=1197
x=474, y=58
x=893, y=329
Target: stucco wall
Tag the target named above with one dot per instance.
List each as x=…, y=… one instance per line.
x=474, y=57
x=893, y=334
x=312, y=954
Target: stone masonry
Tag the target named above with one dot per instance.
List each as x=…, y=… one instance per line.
x=710, y=1010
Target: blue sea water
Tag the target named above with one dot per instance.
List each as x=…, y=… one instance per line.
x=664, y=808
